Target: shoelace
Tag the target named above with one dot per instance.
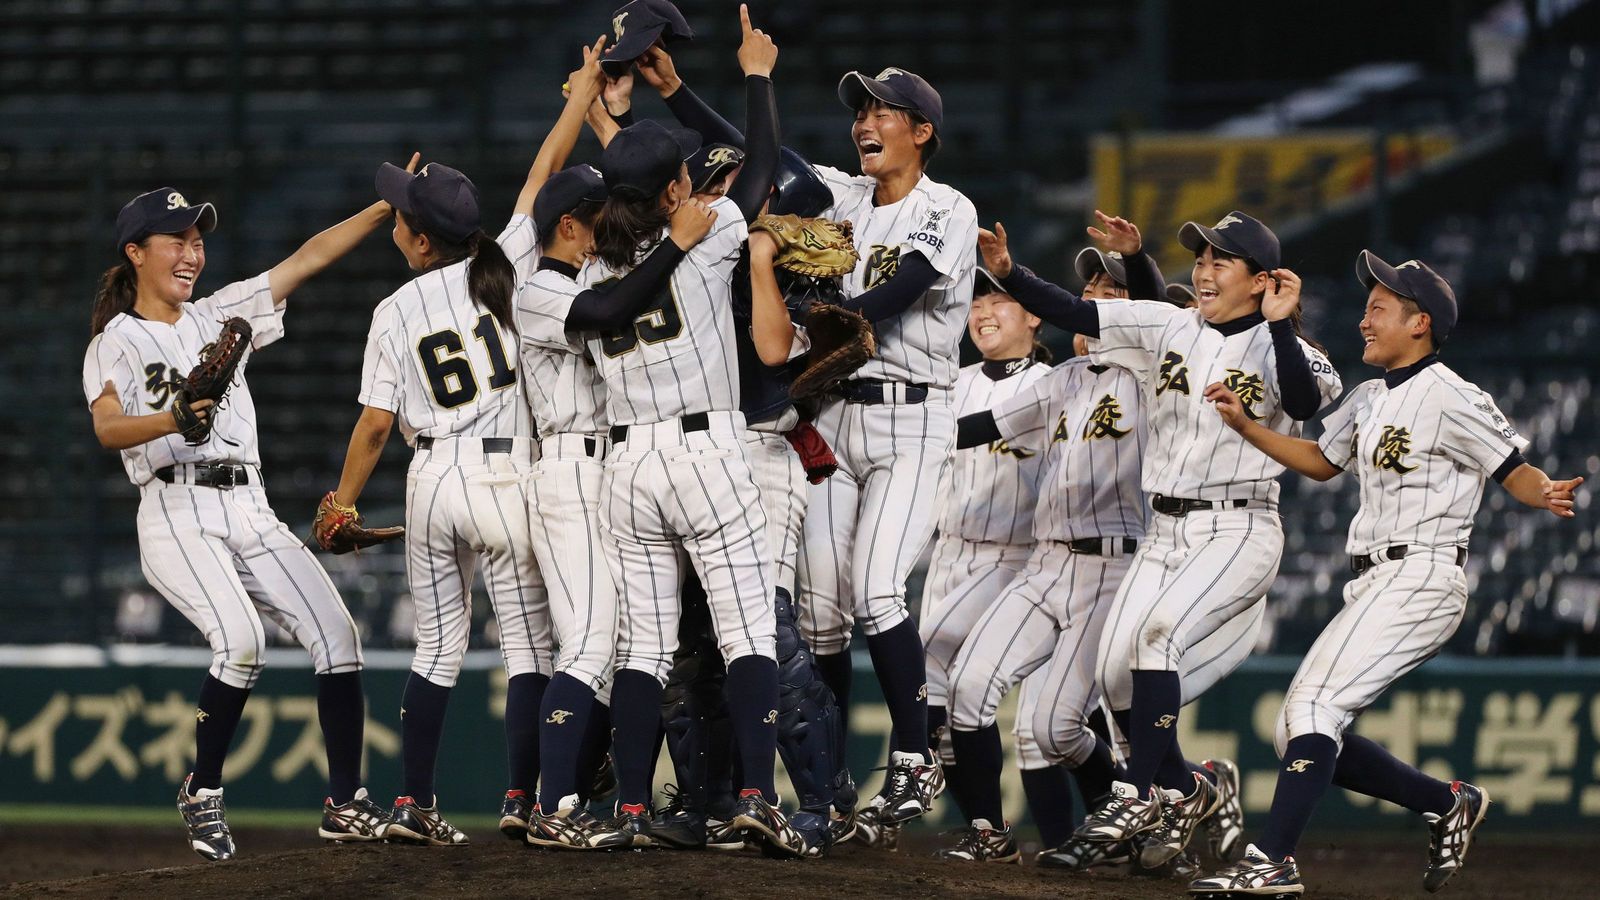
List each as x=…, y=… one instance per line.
x=675, y=801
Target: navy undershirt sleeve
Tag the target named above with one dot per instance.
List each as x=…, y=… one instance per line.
x=753, y=184
x=694, y=113
x=1513, y=462
x=976, y=430
x=618, y=304
x=910, y=281
x=1052, y=303
x=1144, y=278
x=1296, y=385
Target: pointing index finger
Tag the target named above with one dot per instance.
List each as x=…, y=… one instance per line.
x=744, y=18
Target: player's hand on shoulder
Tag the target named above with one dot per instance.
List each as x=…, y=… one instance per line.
x=586, y=81
x=1119, y=236
x=996, y=253
x=1283, y=295
x=657, y=70
x=1228, y=405
x=691, y=222
x=1560, y=496
x=757, y=53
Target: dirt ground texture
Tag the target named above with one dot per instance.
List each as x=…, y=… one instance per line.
x=108, y=861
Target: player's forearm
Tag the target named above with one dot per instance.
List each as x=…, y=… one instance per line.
x=1297, y=454
x=1144, y=278
x=620, y=304
x=694, y=113
x=554, y=151
x=976, y=429
x=771, y=330
x=604, y=126
x=366, y=445
x=914, y=277
x=118, y=431
x=324, y=248
x=753, y=184
x=1052, y=303
x=1526, y=483
x=1297, y=386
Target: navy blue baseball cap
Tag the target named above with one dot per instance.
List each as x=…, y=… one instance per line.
x=442, y=200
x=562, y=193
x=1238, y=234
x=712, y=162
x=636, y=27
x=161, y=211
x=645, y=157
x=797, y=188
x=1092, y=260
x=1181, y=294
x=896, y=87
x=984, y=283
x=1414, y=280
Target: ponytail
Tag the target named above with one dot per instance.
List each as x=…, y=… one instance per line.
x=491, y=279
x=119, y=287
x=624, y=227
x=1041, y=353
x=1298, y=318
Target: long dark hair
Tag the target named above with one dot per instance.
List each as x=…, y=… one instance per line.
x=624, y=226
x=119, y=287
x=1296, y=318
x=491, y=279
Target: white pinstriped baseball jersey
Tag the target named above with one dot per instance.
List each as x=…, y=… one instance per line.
x=1192, y=453
x=441, y=362
x=1087, y=423
x=142, y=358
x=1421, y=452
x=565, y=390
x=989, y=492
x=919, y=346
x=678, y=356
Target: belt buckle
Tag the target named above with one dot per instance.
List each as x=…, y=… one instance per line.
x=1172, y=506
x=224, y=477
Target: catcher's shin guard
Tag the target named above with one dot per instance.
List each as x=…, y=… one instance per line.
x=809, y=725
x=699, y=735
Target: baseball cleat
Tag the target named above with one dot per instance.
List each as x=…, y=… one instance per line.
x=816, y=829
x=358, y=820
x=515, y=811
x=572, y=827
x=841, y=826
x=772, y=828
x=605, y=779
x=677, y=826
x=1451, y=834
x=724, y=835
x=1225, y=826
x=1079, y=854
x=1184, y=867
x=874, y=831
x=206, y=820
x=912, y=786
x=1121, y=815
x=1180, y=816
x=1253, y=876
x=982, y=842
x=414, y=824
x=633, y=822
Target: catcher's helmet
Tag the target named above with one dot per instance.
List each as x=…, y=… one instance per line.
x=797, y=188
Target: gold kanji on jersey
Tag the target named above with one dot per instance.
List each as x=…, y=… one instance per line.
x=1005, y=447
x=1250, y=389
x=1174, y=375
x=882, y=263
x=1394, y=444
x=1103, y=420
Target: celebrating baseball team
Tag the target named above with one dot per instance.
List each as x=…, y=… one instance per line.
x=697, y=412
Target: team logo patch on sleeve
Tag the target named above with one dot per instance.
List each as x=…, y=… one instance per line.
x=882, y=263
x=1393, y=447
x=1174, y=375
x=1249, y=387
x=1103, y=420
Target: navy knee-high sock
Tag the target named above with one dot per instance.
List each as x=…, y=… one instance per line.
x=1366, y=768
x=1049, y=803
x=563, y=723
x=981, y=759
x=1176, y=772
x=898, y=659
x=1303, y=777
x=217, y=719
x=422, y=709
x=596, y=744
x=954, y=779
x=342, y=713
x=1095, y=774
x=524, y=698
x=635, y=724
x=1153, y=718
x=837, y=672
x=752, y=692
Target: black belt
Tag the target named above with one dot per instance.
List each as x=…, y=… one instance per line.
x=1360, y=564
x=871, y=392
x=591, y=447
x=1097, y=546
x=490, y=445
x=692, y=422
x=223, y=477
x=1182, y=506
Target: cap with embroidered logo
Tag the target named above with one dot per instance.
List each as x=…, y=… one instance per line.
x=161, y=211
x=895, y=87
x=635, y=28
x=1417, y=282
x=442, y=200
x=1237, y=234
x=562, y=193
x=711, y=163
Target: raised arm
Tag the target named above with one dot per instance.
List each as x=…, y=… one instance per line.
x=327, y=246
x=1531, y=486
x=656, y=68
x=1299, y=454
x=1297, y=385
x=771, y=329
x=757, y=55
x=583, y=89
x=1052, y=303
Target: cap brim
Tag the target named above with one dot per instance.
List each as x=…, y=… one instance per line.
x=982, y=277
x=1091, y=260
x=707, y=176
x=689, y=141
x=1181, y=294
x=1370, y=270
x=393, y=184
x=183, y=218
x=1194, y=237
x=616, y=59
x=855, y=88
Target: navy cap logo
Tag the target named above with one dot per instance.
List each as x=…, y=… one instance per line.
x=718, y=156
x=892, y=70
x=1229, y=219
x=1409, y=264
x=175, y=201
x=616, y=25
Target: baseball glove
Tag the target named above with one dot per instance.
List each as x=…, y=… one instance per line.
x=815, y=247
x=210, y=380
x=338, y=529
x=841, y=340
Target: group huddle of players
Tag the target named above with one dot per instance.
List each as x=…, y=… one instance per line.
x=677, y=550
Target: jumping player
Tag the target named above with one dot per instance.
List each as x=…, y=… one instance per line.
x=1420, y=440
x=1212, y=549
x=208, y=540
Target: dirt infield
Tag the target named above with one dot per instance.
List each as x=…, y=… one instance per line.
x=56, y=861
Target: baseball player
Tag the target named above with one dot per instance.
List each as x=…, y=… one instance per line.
x=1420, y=441
x=1212, y=549
x=678, y=481
x=208, y=540
x=892, y=426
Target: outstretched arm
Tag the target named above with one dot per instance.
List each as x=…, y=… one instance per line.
x=656, y=68
x=327, y=246
x=976, y=429
x=757, y=55
x=1530, y=485
x=366, y=445
x=1299, y=454
x=583, y=88
x=1056, y=305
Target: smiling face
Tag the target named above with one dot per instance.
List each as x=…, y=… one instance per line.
x=169, y=264
x=1000, y=327
x=1224, y=288
x=1395, y=332
x=886, y=140
x=1102, y=287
